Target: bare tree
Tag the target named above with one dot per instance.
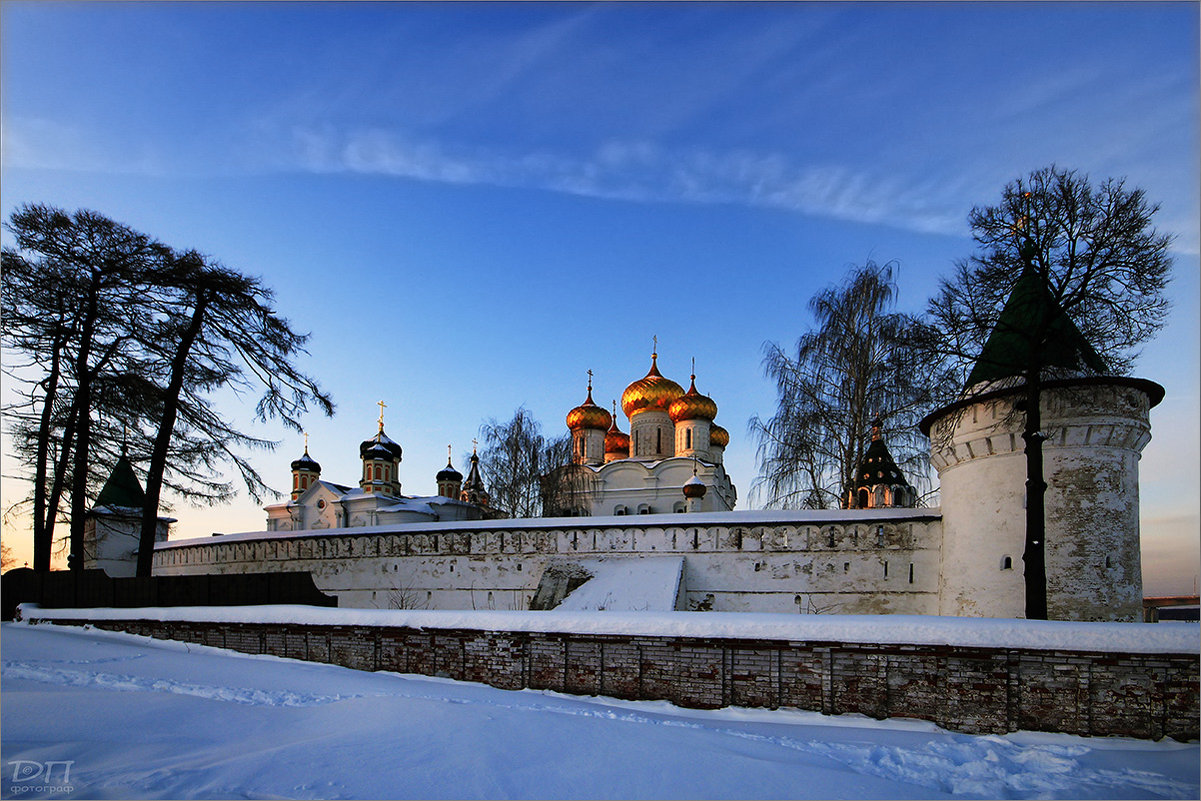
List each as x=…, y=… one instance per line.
x=115, y=341
x=1068, y=279
x=526, y=472
x=70, y=301
x=857, y=363
x=218, y=328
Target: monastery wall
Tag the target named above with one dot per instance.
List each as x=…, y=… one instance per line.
x=850, y=562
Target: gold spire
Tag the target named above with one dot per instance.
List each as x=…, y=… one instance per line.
x=382, y=406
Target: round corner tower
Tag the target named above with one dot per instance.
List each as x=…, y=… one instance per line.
x=1096, y=429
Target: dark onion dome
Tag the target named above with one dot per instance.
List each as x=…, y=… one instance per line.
x=306, y=462
x=718, y=436
x=878, y=466
x=381, y=440
x=588, y=415
x=652, y=392
x=377, y=451
x=616, y=441
x=448, y=473
x=692, y=405
x=694, y=488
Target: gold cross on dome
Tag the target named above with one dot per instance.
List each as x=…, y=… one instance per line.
x=448, y=454
x=589, y=380
x=474, y=443
x=382, y=406
x=306, y=442
x=655, y=349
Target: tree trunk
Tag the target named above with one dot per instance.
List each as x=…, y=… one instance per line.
x=162, y=440
x=83, y=405
x=1035, y=553
x=42, y=531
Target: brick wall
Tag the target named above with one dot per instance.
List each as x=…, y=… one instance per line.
x=976, y=690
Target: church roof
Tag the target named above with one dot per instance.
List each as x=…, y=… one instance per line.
x=878, y=466
x=122, y=488
x=1010, y=346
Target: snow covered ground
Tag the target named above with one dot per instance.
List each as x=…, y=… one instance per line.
x=121, y=716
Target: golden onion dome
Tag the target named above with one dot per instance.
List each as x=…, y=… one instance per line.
x=588, y=414
x=692, y=405
x=616, y=441
x=652, y=392
x=719, y=436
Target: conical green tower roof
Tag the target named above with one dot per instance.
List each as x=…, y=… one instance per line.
x=1029, y=309
x=122, y=487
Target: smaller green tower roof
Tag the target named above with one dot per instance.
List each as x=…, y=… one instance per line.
x=1031, y=307
x=122, y=488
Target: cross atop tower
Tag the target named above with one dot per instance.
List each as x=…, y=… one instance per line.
x=589, y=381
x=382, y=406
x=306, y=442
x=655, y=348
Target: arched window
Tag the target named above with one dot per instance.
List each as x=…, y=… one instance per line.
x=621, y=510
x=864, y=499
x=688, y=438
x=1007, y=563
x=378, y=473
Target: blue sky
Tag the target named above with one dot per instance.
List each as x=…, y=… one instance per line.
x=470, y=205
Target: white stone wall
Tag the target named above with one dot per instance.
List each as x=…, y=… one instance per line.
x=806, y=562
x=1096, y=431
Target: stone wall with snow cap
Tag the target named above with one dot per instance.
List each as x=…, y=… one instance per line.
x=849, y=561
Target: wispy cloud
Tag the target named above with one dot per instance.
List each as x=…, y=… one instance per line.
x=646, y=172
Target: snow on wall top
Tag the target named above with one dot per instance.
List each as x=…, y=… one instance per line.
x=1047, y=635
x=746, y=517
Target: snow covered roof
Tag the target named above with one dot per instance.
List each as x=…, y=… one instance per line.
x=627, y=584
